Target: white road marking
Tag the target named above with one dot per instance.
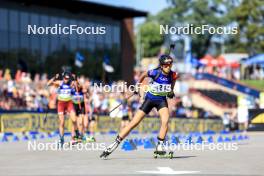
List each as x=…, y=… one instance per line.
x=167, y=170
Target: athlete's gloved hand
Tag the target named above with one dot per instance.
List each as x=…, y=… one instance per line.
x=136, y=89
x=136, y=92
x=73, y=77
x=57, y=76
x=170, y=95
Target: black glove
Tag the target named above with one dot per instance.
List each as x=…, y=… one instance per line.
x=57, y=76
x=73, y=77
x=170, y=95
x=136, y=92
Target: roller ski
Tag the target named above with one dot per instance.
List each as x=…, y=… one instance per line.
x=80, y=139
x=160, y=151
x=90, y=139
x=60, y=143
x=163, y=155
x=110, y=148
x=74, y=141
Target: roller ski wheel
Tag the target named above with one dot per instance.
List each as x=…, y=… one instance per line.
x=83, y=140
x=163, y=154
x=170, y=155
x=159, y=154
x=72, y=143
x=109, y=149
x=105, y=155
x=60, y=144
x=79, y=141
x=90, y=139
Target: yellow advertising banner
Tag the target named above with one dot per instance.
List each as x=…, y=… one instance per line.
x=22, y=122
x=258, y=119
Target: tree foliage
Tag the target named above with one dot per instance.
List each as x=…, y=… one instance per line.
x=247, y=15
x=151, y=39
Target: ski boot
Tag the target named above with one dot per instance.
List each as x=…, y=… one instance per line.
x=80, y=138
x=74, y=140
x=84, y=139
x=111, y=148
x=90, y=139
x=61, y=143
x=161, y=151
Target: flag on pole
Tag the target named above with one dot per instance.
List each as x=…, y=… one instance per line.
x=79, y=58
x=106, y=65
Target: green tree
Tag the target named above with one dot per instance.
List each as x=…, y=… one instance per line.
x=202, y=12
x=249, y=16
x=150, y=38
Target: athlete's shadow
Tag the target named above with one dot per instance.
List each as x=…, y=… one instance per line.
x=183, y=157
x=243, y=143
x=137, y=158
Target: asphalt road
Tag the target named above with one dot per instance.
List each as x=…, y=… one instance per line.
x=16, y=159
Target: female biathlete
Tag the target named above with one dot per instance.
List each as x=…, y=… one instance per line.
x=65, y=91
x=161, y=87
x=92, y=120
x=78, y=98
x=125, y=112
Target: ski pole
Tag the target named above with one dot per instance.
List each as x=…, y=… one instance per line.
x=121, y=103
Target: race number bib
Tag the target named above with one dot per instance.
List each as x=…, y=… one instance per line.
x=160, y=88
x=64, y=94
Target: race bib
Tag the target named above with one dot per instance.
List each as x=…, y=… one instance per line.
x=64, y=94
x=160, y=88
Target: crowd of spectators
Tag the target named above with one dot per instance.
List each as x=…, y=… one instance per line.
x=22, y=91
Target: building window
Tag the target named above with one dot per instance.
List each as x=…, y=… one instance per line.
x=54, y=39
x=73, y=44
x=64, y=37
x=34, y=19
x=24, y=41
x=74, y=35
x=24, y=21
x=14, y=40
x=45, y=47
x=13, y=21
x=3, y=19
x=4, y=40
x=3, y=29
x=35, y=43
x=44, y=39
x=34, y=38
x=44, y=20
x=82, y=44
x=116, y=37
x=99, y=38
x=83, y=25
x=54, y=43
x=90, y=38
x=108, y=37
